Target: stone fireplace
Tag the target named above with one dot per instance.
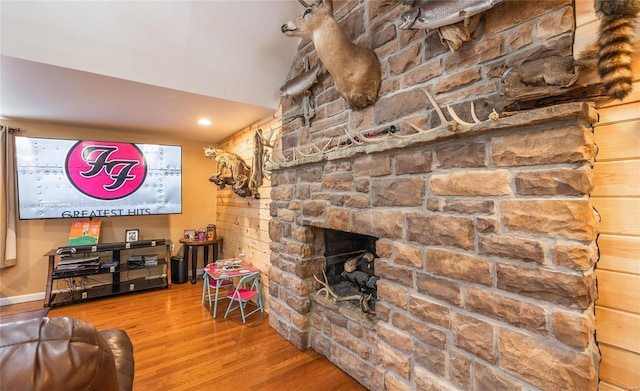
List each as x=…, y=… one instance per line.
x=485, y=234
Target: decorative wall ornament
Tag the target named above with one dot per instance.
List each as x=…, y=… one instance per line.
x=456, y=124
x=244, y=181
x=355, y=69
x=238, y=173
x=455, y=21
x=617, y=19
x=262, y=153
x=540, y=78
x=454, y=35
x=433, y=14
x=255, y=181
x=349, y=140
x=300, y=85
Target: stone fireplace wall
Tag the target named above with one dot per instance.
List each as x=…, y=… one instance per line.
x=487, y=250
x=486, y=234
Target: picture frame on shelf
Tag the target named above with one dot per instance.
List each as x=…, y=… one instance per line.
x=131, y=235
x=211, y=232
x=190, y=234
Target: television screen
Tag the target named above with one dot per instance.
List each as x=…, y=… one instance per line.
x=93, y=179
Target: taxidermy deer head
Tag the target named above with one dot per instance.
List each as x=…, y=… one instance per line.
x=355, y=69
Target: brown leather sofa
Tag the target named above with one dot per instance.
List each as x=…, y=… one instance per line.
x=64, y=354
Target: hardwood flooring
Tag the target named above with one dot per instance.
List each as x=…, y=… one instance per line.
x=179, y=346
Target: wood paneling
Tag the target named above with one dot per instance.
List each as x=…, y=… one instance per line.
x=619, y=367
x=618, y=328
x=616, y=196
x=617, y=179
x=244, y=222
x=619, y=253
x=620, y=216
x=584, y=12
x=619, y=113
x=618, y=142
x=634, y=96
x=622, y=293
x=603, y=386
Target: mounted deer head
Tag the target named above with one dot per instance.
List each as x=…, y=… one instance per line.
x=355, y=69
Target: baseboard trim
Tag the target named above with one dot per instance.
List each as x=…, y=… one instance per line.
x=21, y=299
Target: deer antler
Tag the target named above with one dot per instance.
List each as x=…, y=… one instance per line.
x=492, y=117
x=327, y=291
x=457, y=123
x=454, y=125
x=305, y=5
x=364, y=304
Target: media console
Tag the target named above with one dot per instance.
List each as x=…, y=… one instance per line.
x=102, y=270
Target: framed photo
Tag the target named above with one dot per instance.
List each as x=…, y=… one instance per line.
x=190, y=234
x=131, y=235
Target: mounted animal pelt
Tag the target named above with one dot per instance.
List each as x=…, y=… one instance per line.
x=617, y=20
x=355, y=69
x=238, y=172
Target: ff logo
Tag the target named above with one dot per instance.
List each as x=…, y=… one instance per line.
x=106, y=170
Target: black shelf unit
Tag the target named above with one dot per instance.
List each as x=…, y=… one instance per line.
x=120, y=283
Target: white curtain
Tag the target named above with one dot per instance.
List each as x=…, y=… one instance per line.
x=8, y=203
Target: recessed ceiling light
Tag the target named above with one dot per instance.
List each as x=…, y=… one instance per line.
x=204, y=121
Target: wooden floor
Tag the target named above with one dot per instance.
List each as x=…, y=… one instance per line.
x=178, y=346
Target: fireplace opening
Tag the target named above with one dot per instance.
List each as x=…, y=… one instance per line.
x=350, y=267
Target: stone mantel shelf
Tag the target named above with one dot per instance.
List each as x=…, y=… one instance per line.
x=567, y=111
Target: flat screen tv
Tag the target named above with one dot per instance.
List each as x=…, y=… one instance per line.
x=94, y=179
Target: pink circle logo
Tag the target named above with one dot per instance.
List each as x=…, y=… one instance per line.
x=106, y=170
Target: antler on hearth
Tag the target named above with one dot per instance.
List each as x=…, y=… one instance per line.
x=328, y=292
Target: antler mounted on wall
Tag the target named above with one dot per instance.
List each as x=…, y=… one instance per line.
x=355, y=69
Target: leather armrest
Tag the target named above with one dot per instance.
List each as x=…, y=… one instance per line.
x=122, y=349
x=55, y=354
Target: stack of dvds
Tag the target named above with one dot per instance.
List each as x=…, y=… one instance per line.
x=135, y=262
x=76, y=266
x=150, y=260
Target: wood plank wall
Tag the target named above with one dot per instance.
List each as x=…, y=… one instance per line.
x=616, y=196
x=244, y=222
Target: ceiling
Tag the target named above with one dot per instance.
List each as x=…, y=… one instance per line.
x=145, y=66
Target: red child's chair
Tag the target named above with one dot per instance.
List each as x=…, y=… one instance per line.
x=248, y=288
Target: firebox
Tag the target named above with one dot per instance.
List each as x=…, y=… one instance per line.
x=350, y=264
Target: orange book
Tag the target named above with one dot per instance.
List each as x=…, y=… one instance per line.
x=84, y=233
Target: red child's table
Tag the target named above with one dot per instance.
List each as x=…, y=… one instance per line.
x=217, y=272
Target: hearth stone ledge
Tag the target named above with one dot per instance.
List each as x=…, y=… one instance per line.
x=574, y=111
x=351, y=312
